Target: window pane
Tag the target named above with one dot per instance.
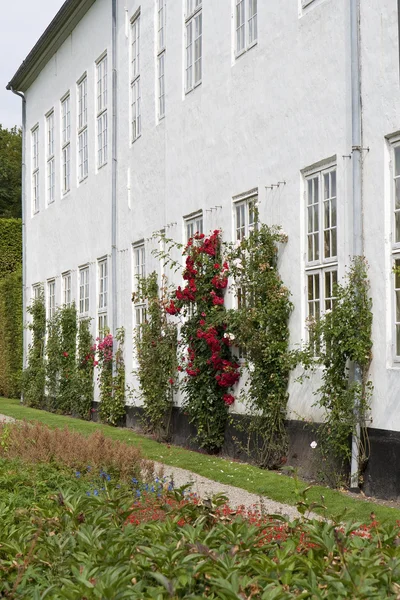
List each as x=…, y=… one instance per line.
x=397, y=161
x=397, y=192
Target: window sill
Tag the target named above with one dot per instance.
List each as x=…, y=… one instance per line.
x=242, y=52
x=65, y=194
x=161, y=119
x=36, y=212
x=136, y=139
x=101, y=166
x=196, y=85
x=83, y=180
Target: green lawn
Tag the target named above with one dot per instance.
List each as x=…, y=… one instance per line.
x=269, y=483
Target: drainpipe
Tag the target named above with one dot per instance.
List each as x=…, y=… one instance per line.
x=356, y=129
x=21, y=95
x=114, y=174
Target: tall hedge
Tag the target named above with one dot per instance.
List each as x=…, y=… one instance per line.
x=11, y=318
x=11, y=334
x=10, y=246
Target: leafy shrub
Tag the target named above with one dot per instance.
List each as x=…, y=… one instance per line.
x=34, y=376
x=11, y=334
x=35, y=442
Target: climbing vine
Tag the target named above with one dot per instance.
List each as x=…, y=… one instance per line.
x=345, y=341
x=68, y=372
x=111, y=387
x=83, y=400
x=34, y=376
x=210, y=370
x=156, y=351
x=260, y=325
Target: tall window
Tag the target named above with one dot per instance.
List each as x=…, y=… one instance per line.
x=321, y=247
x=193, y=45
x=37, y=289
x=136, y=118
x=396, y=246
x=245, y=216
x=84, y=291
x=102, y=296
x=193, y=225
x=82, y=130
x=161, y=58
x=66, y=143
x=101, y=111
x=50, y=157
x=66, y=289
x=139, y=271
x=51, y=298
x=246, y=24
x=35, y=170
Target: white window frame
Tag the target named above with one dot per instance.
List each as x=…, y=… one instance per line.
x=161, y=85
x=244, y=214
x=193, y=224
x=246, y=30
x=51, y=298
x=66, y=144
x=35, y=169
x=139, y=272
x=67, y=288
x=394, y=143
x=135, y=90
x=101, y=110
x=161, y=58
x=82, y=129
x=102, y=298
x=84, y=290
x=193, y=44
x=320, y=265
x=37, y=290
x=161, y=23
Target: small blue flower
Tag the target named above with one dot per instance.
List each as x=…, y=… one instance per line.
x=88, y=493
x=146, y=487
x=170, y=487
x=95, y=493
x=77, y=474
x=138, y=493
x=134, y=480
x=152, y=489
x=89, y=468
x=108, y=477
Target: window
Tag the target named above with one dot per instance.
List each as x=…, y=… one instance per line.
x=101, y=103
x=51, y=298
x=37, y=290
x=84, y=291
x=246, y=25
x=66, y=144
x=161, y=59
x=136, y=121
x=193, y=225
x=245, y=216
x=194, y=32
x=35, y=170
x=50, y=157
x=396, y=245
x=139, y=271
x=102, y=296
x=82, y=130
x=66, y=289
x=321, y=243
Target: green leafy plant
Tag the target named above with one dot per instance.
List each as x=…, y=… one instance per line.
x=156, y=350
x=112, y=387
x=34, y=376
x=11, y=329
x=260, y=325
x=83, y=399
x=344, y=340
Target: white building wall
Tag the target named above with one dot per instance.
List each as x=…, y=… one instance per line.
x=264, y=117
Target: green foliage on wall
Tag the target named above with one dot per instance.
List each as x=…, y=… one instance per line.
x=34, y=376
x=10, y=172
x=82, y=404
x=11, y=334
x=10, y=245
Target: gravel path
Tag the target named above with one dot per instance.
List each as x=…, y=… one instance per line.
x=205, y=488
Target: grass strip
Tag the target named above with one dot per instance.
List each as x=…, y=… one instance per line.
x=257, y=481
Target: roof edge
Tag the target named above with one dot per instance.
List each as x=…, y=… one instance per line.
x=69, y=15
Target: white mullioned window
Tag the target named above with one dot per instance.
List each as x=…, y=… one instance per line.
x=66, y=144
x=193, y=225
x=245, y=216
x=102, y=297
x=245, y=24
x=101, y=111
x=84, y=291
x=66, y=288
x=193, y=44
x=37, y=289
x=321, y=243
x=395, y=164
x=136, y=109
x=51, y=298
x=83, y=164
x=35, y=169
x=139, y=272
x=161, y=12
x=51, y=174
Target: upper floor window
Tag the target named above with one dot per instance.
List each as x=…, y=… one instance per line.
x=35, y=170
x=65, y=120
x=51, y=298
x=66, y=145
x=37, y=290
x=84, y=291
x=102, y=123
x=321, y=216
x=246, y=24
x=50, y=157
x=103, y=284
x=161, y=24
x=161, y=59
x=136, y=119
x=245, y=214
x=139, y=272
x=82, y=103
x=83, y=163
x=193, y=225
x=66, y=289
x=193, y=45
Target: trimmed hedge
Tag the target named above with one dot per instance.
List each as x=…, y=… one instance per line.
x=10, y=246
x=11, y=334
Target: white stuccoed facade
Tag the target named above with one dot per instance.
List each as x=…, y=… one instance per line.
x=264, y=117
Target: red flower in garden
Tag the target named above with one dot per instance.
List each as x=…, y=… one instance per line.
x=219, y=282
x=171, y=381
x=228, y=399
x=217, y=266
x=171, y=309
x=216, y=300
x=65, y=354
x=202, y=322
